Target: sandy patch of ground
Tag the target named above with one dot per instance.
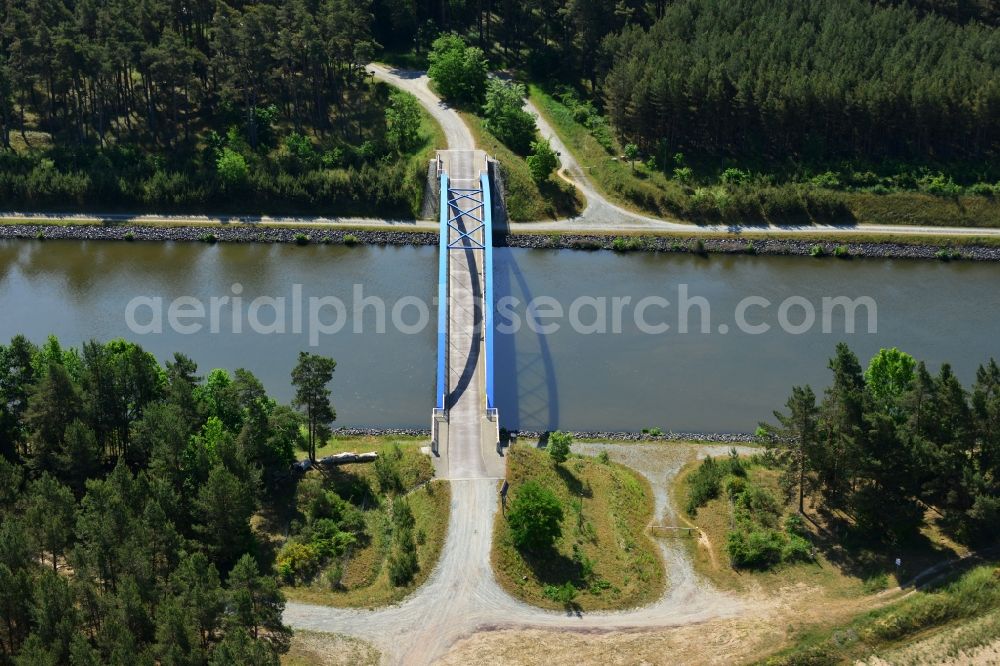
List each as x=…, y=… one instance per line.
x=714, y=642
x=310, y=648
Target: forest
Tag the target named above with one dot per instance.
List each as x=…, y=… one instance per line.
x=815, y=83
x=889, y=442
x=126, y=492
x=186, y=106
x=266, y=106
x=890, y=458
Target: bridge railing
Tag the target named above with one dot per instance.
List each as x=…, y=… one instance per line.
x=442, y=341
x=488, y=286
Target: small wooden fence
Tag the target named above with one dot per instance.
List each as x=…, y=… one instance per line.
x=674, y=531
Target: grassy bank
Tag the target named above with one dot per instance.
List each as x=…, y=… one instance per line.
x=687, y=237
x=526, y=200
x=829, y=559
x=367, y=502
x=604, y=552
x=736, y=198
x=958, y=616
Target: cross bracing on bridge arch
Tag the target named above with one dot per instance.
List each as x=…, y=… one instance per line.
x=458, y=196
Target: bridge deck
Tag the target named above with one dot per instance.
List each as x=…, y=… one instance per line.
x=470, y=440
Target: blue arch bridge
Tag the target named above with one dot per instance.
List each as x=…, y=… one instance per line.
x=465, y=422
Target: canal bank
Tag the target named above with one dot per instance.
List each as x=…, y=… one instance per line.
x=325, y=234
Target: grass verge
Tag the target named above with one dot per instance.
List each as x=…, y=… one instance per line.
x=604, y=551
x=360, y=577
x=526, y=200
x=818, y=236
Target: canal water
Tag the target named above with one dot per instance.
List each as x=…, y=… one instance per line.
x=586, y=340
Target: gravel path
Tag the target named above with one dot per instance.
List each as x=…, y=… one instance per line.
x=462, y=597
x=418, y=84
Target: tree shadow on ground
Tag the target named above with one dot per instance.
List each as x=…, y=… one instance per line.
x=864, y=555
x=351, y=487
x=564, y=197
x=576, y=487
x=552, y=568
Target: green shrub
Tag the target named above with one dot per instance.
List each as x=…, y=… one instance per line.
x=816, y=251
x=505, y=117
x=301, y=239
x=984, y=190
x=459, y=71
x=629, y=244
x=939, y=185
x=386, y=468
x=535, y=517
x=841, y=252
x=403, y=564
x=297, y=562
x=328, y=539
x=794, y=524
x=333, y=576
x=737, y=177
x=827, y=179
x=734, y=485
x=796, y=549
x=603, y=458
x=705, y=482
x=40, y=235
x=563, y=594
x=754, y=549
x=558, y=445
x=402, y=515
x=129, y=236
x=542, y=161
x=758, y=506
x=350, y=239
x=208, y=238
x=232, y=168
x=402, y=119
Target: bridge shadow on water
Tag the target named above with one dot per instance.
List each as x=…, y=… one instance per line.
x=527, y=393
